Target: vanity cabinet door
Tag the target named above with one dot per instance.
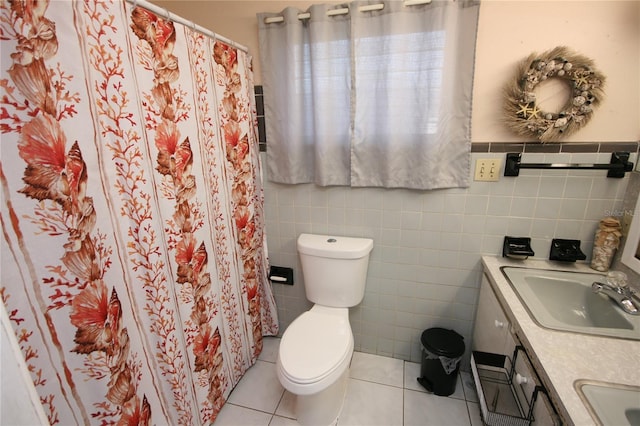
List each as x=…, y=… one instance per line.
x=543, y=413
x=525, y=380
x=491, y=331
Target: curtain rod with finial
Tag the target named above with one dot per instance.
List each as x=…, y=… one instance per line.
x=180, y=20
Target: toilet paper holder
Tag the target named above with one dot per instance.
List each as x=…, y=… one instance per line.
x=281, y=275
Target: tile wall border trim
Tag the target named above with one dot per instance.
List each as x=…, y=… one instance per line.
x=536, y=147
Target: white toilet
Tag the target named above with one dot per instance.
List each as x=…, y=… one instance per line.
x=316, y=348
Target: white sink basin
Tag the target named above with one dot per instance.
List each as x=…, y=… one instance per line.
x=564, y=301
x=611, y=404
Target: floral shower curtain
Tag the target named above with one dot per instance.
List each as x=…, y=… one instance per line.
x=134, y=267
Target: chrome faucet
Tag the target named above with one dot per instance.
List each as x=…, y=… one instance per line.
x=625, y=297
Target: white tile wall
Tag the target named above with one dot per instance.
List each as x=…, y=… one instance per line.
x=425, y=266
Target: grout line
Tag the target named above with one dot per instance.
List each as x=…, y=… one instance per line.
x=404, y=386
x=378, y=383
x=469, y=413
x=250, y=408
x=279, y=402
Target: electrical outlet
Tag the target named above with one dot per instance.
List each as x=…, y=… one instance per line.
x=488, y=169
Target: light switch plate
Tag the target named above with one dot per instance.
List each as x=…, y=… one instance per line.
x=488, y=169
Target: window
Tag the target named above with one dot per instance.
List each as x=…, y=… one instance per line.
x=370, y=99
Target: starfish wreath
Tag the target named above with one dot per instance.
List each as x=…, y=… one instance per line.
x=525, y=118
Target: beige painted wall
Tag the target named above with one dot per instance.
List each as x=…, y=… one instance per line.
x=607, y=31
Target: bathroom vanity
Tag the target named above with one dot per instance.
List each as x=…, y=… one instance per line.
x=554, y=367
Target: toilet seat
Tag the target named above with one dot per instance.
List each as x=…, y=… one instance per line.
x=316, y=346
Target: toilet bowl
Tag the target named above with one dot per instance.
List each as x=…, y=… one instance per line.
x=316, y=349
x=313, y=363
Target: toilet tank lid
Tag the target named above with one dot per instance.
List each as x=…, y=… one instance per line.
x=334, y=247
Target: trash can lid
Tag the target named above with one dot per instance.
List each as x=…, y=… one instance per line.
x=443, y=342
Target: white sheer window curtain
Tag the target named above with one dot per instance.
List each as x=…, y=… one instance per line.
x=370, y=98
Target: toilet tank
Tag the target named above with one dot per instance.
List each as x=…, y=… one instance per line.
x=334, y=268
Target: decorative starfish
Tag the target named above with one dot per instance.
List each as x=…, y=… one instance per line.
x=524, y=110
x=534, y=112
x=581, y=80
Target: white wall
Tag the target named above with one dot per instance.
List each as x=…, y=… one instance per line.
x=425, y=266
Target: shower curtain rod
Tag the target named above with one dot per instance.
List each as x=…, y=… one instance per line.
x=180, y=20
x=345, y=10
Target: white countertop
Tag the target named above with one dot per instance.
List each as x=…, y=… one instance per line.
x=561, y=358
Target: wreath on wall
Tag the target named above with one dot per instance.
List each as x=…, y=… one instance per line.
x=525, y=118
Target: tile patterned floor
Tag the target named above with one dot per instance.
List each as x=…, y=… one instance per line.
x=381, y=391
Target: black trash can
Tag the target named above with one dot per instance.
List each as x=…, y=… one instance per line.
x=441, y=353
